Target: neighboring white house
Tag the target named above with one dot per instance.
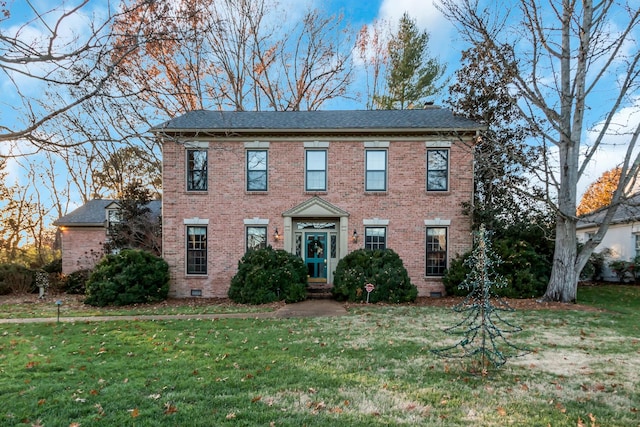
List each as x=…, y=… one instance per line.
x=622, y=238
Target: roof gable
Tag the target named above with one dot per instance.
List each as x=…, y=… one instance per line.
x=92, y=213
x=317, y=208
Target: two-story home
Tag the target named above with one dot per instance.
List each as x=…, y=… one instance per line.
x=318, y=184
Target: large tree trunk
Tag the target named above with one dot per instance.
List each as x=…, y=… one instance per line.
x=563, y=283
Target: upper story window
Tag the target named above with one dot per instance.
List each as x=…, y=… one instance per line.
x=436, y=251
x=375, y=238
x=316, y=170
x=376, y=170
x=197, y=170
x=256, y=238
x=196, y=250
x=438, y=170
x=257, y=170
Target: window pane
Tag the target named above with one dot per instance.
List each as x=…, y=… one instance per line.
x=375, y=180
x=196, y=250
x=256, y=238
x=436, y=257
x=316, y=170
x=257, y=170
x=376, y=175
x=375, y=238
x=315, y=181
x=196, y=170
x=437, y=170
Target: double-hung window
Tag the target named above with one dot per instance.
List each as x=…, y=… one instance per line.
x=196, y=250
x=256, y=238
x=375, y=238
x=438, y=170
x=376, y=170
x=197, y=170
x=436, y=256
x=316, y=170
x=257, y=168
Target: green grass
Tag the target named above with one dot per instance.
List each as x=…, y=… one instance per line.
x=373, y=367
x=72, y=307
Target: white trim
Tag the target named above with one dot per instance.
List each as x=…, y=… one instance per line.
x=196, y=144
x=437, y=222
x=256, y=144
x=196, y=221
x=437, y=144
x=256, y=221
x=376, y=144
x=375, y=221
x=316, y=144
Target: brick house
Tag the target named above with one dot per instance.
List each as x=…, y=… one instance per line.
x=84, y=231
x=318, y=184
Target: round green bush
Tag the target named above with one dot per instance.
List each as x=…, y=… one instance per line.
x=382, y=268
x=132, y=276
x=268, y=275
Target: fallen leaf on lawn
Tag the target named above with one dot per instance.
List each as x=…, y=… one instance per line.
x=134, y=412
x=256, y=399
x=74, y=425
x=501, y=411
x=42, y=402
x=231, y=415
x=169, y=408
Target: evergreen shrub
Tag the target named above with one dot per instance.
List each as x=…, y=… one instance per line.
x=131, y=276
x=382, y=268
x=76, y=282
x=16, y=278
x=268, y=275
x=525, y=271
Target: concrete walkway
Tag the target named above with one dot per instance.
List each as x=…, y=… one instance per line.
x=308, y=308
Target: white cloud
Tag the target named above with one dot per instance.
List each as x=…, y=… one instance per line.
x=427, y=17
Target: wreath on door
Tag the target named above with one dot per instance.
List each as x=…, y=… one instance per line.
x=317, y=246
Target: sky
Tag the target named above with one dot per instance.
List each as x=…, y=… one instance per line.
x=445, y=45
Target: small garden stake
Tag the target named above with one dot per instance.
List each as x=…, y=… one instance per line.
x=482, y=326
x=58, y=303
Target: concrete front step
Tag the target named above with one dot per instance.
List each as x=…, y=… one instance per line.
x=319, y=291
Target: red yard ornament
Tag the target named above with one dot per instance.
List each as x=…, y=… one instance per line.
x=369, y=288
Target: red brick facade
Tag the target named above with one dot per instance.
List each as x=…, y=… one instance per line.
x=81, y=247
x=406, y=208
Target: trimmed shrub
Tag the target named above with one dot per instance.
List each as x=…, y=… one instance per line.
x=525, y=271
x=76, y=282
x=382, y=268
x=130, y=277
x=15, y=278
x=268, y=275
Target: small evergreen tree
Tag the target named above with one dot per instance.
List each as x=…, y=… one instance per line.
x=411, y=75
x=482, y=326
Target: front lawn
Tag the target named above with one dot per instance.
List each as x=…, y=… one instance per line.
x=372, y=367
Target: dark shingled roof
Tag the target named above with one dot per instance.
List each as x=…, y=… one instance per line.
x=326, y=120
x=628, y=211
x=93, y=213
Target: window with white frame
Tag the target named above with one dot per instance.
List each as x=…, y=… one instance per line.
x=257, y=170
x=256, y=238
x=376, y=170
x=197, y=170
x=436, y=251
x=437, y=170
x=375, y=237
x=196, y=250
x=316, y=170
